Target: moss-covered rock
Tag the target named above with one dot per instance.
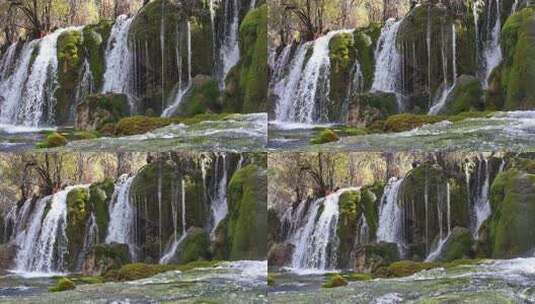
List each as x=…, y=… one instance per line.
x=457, y=246
x=247, y=202
x=52, y=140
x=512, y=201
x=194, y=247
x=95, y=38
x=100, y=195
x=78, y=212
x=247, y=83
x=348, y=206
x=518, y=67
x=366, y=108
x=62, y=284
x=467, y=95
x=407, y=268
x=370, y=257
x=105, y=257
x=70, y=58
x=324, y=136
x=98, y=110
x=334, y=280
x=203, y=97
x=407, y=121
x=365, y=42
x=342, y=54
x=139, y=271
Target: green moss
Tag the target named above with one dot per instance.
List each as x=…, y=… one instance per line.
x=369, y=204
x=324, y=136
x=62, y=284
x=406, y=121
x=512, y=201
x=348, y=205
x=271, y=279
x=458, y=245
x=406, y=268
x=95, y=39
x=139, y=271
x=335, y=280
x=194, y=247
x=519, y=60
x=52, y=140
x=366, y=108
x=342, y=55
x=355, y=276
x=78, y=211
x=99, y=197
x=247, y=226
x=466, y=96
x=203, y=98
x=70, y=57
x=365, y=41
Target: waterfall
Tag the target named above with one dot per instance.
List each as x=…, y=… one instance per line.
x=219, y=201
x=305, y=89
x=316, y=241
x=387, y=76
x=181, y=89
x=440, y=100
x=7, y=61
x=166, y=258
x=492, y=51
x=91, y=239
x=391, y=215
x=120, y=229
x=43, y=245
x=84, y=88
x=17, y=219
x=435, y=253
x=230, y=50
x=28, y=93
x=481, y=201
x=119, y=61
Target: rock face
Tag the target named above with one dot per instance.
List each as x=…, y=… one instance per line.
x=105, y=257
x=457, y=246
x=513, y=203
x=280, y=255
x=98, y=110
x=366, y=108
x=467, y=95
x=427, y=185
x=369, y=258
x=7, y=256
x=194, y=247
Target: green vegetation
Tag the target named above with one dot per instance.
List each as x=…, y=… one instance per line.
x=62, y=284
x=355, y=276
x=52, y=140
x=195, y=246
x=203, y=98
x=78, y=211
x=95, y=37
x=334, y=280
x=139, y=271
x=325, y=136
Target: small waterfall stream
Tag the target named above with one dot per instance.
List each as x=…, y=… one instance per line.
x=435, y=253
x=218, y=203
x=170, y=253
x=492, y=52
x=230, y=50
x=391, y=215
x=119, y=60
x=121, y=229
x=387, y=76
x=481, y=202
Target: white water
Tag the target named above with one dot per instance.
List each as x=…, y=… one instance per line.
x=230, y=50
x=387, y=76
x=42, y=245
x=219, y=204
x=439, y=103
x=391, y=215
x=177, y=241
x=181, y=89
x=121, y=226
x=492, y=52
x=433, y=255
x=482, y=204
x=316, y=241
x=305, y=86
x=119, y=60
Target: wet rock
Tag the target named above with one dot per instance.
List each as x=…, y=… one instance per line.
x=457, y=246
x=280, y=255
x=366, y=108
x=369, y=258
x=7, y=256
x=467, y=95
x=105, y=257
x=98, y=110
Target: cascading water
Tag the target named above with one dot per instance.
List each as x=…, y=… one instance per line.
x=433, y=255
x=230, y=50
x=28, y=93
x=481, y=203
x=304, y=90
x=181, y=90
x=219, y=201
x=492, y=51
x=387, y=76
x=119, y=60
x=121, y=229
x=391, y=215
x=166, y=258
x=316, y=241
x=42, y=246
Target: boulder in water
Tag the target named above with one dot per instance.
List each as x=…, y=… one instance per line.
x=366, y=108
x=280, y=255
x=457, y=246
x=195, y=247
x=371, y=257
x=467, y=95
x=98, y=110
x=105, y=257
